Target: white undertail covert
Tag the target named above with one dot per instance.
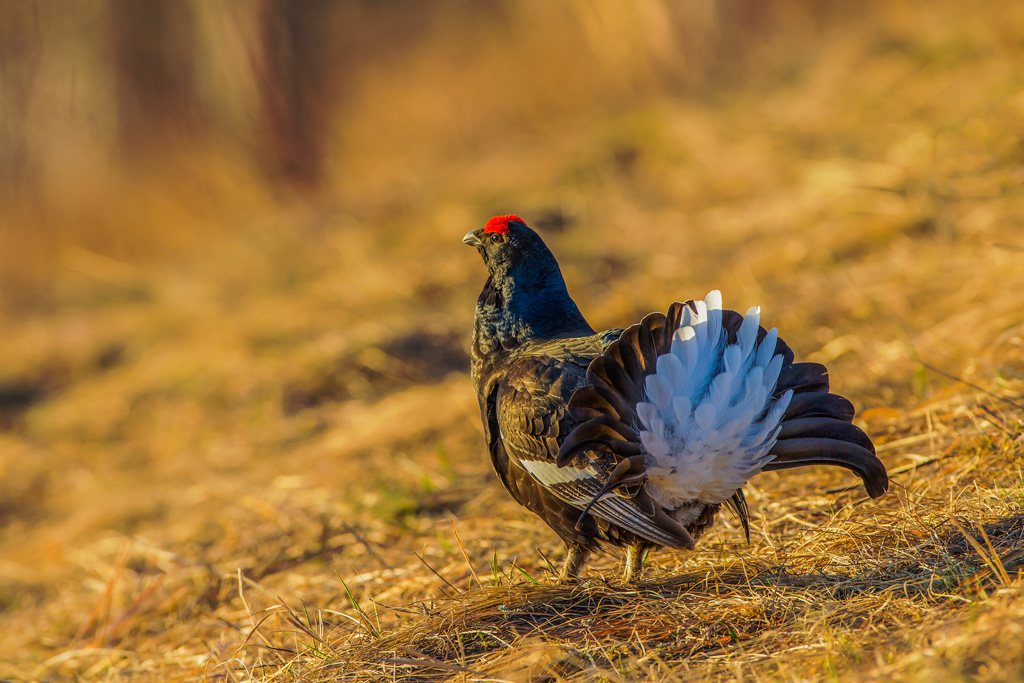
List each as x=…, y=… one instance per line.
x=710, y=418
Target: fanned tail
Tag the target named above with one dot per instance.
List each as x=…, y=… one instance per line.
x=693, y=403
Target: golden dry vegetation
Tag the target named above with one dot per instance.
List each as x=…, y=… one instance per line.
x=237, y=435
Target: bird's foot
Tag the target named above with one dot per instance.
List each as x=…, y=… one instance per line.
x=574, y=560
x=634, y=562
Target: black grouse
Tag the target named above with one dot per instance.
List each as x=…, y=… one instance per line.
x=637, y=437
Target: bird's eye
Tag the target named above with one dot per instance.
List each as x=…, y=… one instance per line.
x=496, y=237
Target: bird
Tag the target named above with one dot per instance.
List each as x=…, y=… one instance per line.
x=636, y=438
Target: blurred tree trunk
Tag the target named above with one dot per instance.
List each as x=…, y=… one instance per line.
x=153, y=49
x=20, y=54
x=290, y=74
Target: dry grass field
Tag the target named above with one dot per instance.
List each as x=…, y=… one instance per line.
x=238, y=440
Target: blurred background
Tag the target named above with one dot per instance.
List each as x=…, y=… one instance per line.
x=135, y=130
x=234, y=308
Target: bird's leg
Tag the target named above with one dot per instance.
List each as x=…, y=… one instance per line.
x=635, y=561
x=574, y=560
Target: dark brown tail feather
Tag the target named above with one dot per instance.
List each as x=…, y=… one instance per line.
x=738, y=504
x=817, y=429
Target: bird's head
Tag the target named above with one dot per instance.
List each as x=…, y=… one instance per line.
x=507, y=244
x=525, y=295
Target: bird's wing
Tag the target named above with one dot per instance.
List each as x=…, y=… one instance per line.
x=578, y=351
x=608, y=336
x=499, y=459
x=532, y=420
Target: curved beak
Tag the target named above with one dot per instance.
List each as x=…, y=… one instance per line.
x=472, y=238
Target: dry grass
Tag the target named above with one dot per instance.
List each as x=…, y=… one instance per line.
x=265, y=462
